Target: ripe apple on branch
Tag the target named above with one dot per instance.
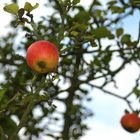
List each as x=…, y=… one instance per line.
x=42, y=56
x=130, y=122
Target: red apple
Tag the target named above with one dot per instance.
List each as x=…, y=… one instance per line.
x=42, y=56
x=130, y=122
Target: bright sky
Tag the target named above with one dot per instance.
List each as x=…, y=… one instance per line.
x=107, y=110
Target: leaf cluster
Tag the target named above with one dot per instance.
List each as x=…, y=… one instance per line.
x=84, y=59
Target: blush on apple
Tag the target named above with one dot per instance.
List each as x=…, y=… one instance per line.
x=42, y=56
x=130, y=122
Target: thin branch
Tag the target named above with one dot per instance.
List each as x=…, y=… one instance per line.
x=119, y=18
x=106, y=91
x=23, y=119
x=115, y=50
x=59, y=7
x=115, y=95
x=138, y=39
x=62, y=15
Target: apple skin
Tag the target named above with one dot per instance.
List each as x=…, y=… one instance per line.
x=42, y=56
x=130, y=122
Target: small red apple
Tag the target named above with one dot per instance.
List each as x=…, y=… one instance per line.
x=130, y=122
x=42, y=56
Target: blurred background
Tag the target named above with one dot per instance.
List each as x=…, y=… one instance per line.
x=107, y=109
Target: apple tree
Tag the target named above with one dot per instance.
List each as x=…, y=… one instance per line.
x=53, y=104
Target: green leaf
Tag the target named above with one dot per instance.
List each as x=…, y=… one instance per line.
x=21, y=12
x=2, y=92
x=74, y=33
x=102, y=32
x=8, y=126
x=113, y=2
x=11, y=8
x=78, y=26
x=135, y=2
x=117, y=9
x=98, y=13
x=2, y=135
x=97, y=3
x=136, y=92
x=126, y=39
x=119, y=32
x=66, y=61
x=22, y=22
x=82, y=17
x=76, y=1
x=28, y=7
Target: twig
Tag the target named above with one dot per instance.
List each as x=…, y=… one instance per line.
x=115, y=95
x=62, y=15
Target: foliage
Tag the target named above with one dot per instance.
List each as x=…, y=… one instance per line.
x=83, y=60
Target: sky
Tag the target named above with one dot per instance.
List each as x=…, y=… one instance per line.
x=107, y=109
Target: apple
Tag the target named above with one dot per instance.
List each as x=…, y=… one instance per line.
x=42, y=56
x=130, y=122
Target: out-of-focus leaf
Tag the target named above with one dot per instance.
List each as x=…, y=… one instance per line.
x=117, y=9
x=112, y=2
x=21, y=12
x=75, y=1
x=28, y=7
x=67, y=61
x=136, y=92
x=78, y=26
x=2, y=92
x=2, y=135
x=135, y=2
x=102, y=32
x=119, y=32
x=97, y=3
x=11, y=8
x=82, y=17
x=9, y=126
x=74, y=33
x=126, y=39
